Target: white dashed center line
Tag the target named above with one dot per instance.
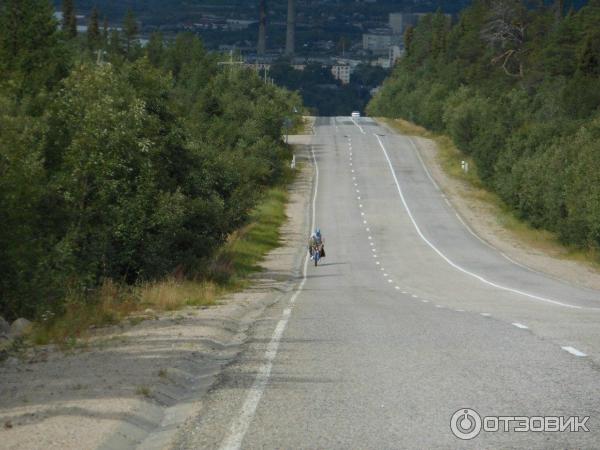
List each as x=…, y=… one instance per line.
x=573, y=351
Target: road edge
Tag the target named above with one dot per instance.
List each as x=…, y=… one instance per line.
x=585, y=276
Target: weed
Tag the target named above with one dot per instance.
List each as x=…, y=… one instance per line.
x=143, y=391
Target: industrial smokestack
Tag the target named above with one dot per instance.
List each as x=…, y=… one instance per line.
x=262, y=29
x=291, y=28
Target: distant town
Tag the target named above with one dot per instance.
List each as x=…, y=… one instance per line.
x=348, y=46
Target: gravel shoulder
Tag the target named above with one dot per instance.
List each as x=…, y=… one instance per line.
x=482, y=220
x=132, y=386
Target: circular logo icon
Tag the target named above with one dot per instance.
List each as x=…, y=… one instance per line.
x=465, y=424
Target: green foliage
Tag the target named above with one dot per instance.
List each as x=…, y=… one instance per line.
x=69, y=19
x=525, y=107
x=131, y=29
x=131, y=170
x=93, y=33
x=31, y=55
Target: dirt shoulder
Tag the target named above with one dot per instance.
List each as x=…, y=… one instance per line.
x=485, y=220
x=134, y=385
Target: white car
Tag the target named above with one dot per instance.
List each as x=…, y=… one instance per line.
x=355, y=114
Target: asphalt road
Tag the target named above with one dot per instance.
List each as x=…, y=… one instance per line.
x=409, y=318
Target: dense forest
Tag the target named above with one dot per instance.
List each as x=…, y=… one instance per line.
x=517, y=86
x=118, y=162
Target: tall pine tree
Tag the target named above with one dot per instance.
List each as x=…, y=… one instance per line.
x=130, y=27
x=105, y=33
x=93, y=32
x=69, y=19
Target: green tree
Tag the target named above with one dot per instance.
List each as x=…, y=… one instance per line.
x=22, y=187
x=589, y=55
x=115, y=47
x=31, y=53
x=131, y=30
x=105, y=33
x=69, y=19
x=94, y=38
x=130, y=170
x=155, y=50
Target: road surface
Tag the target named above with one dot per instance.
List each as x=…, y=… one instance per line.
x=409, y=318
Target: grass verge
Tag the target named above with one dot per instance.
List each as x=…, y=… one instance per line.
x=227, y=272
x=450, y=157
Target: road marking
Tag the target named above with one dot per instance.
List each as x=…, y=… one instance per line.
x=373, y=250
x=370, y=237
x=390, y=281
x=368, y=229
x=414, y=296
x=397, y=288
x=372, y=244
x=438, y=306
x=240, y=425
x=365, y=222
x=360, y=205
x=475, y=235
x=424, y=301
x=359, y=127
x=377, y=262
x=352, y=170
x=385, y=275
x=374, y=256
x=573, y=351
x=459, y=310
x=448, y=260
x=521, y=326
x=486, y=314
x=404, y=292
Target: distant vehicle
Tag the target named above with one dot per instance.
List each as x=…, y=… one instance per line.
x=355, y=114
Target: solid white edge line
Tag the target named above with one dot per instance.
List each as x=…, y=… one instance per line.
x=448, y=260
x=466, y=225
x=573, y=351
x=240, y=425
